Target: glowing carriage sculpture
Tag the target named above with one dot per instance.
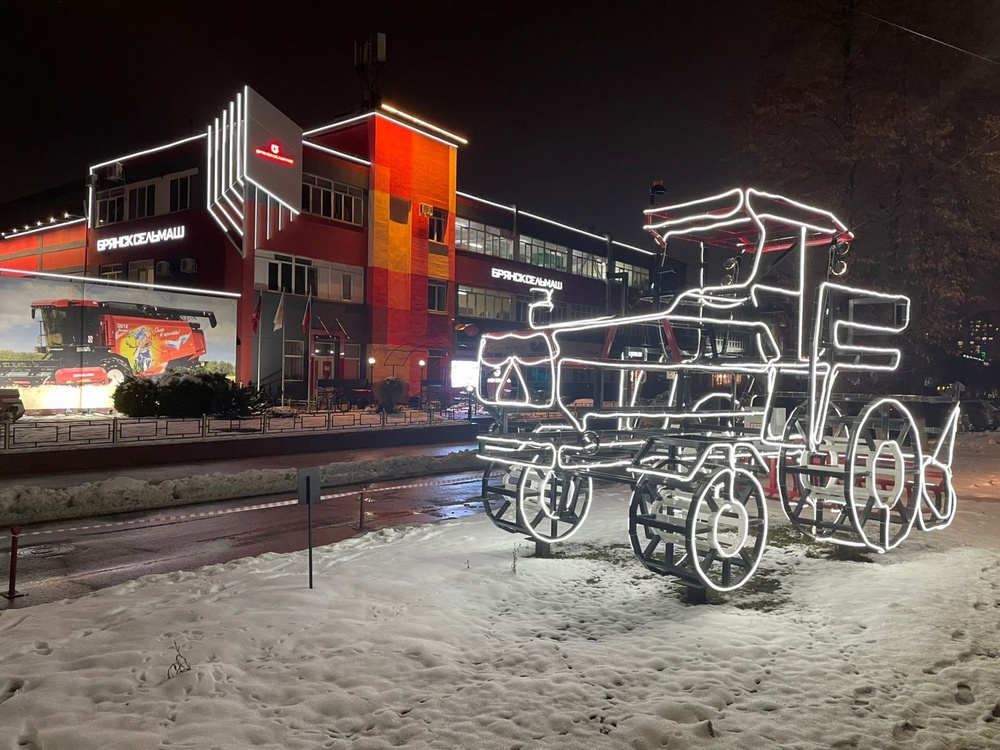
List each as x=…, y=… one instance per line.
x=695, y=461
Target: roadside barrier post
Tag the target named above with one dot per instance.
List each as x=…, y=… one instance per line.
x=15, y=532
x=309, y=484
x=361, y=510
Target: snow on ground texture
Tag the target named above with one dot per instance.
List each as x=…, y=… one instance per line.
x=450, y=636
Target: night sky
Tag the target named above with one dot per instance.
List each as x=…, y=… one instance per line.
x=571, y=112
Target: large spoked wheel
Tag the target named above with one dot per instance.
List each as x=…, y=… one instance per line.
x=885, y=480
x=811, y=483
x=727, y=529
x=713, y=538
x=546, y=505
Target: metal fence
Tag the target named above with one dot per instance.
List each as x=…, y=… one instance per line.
x=33, y=434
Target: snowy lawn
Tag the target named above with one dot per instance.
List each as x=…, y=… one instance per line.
x=452, y=636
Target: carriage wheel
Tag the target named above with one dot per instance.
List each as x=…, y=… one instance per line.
x=343, y=404
x=713, y=539
x=727, y=529
x=813, y=503
x=885, y=480
x=549, y=506
x=500, y=500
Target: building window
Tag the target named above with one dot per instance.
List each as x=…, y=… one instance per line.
x=437, y=296
x=141, y=202
x=638, y=277
x=436, y=225
x=141, y=271
x=589, y=266
x=111, y=271
x=474, y=237
x=474, y=302
x=332, y=200
x=111, y=206
x=294, y=360
x=321, y=278
x=180, y=193
x=292, y=275
x=544, y=254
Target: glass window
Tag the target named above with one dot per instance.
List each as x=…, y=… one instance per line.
x=588, y=265
x=111, y=206
x=180, y=193
x=294, y=360
x=307, y=276
x=544, y=254
x=437, y=296
x=332, y=200
x=436, y=225
x=482, y=238
x=111, y=271
x=141, y=202
x=475, y=302
x=141, y=271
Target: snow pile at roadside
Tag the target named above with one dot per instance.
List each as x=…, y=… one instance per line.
x=24, y=504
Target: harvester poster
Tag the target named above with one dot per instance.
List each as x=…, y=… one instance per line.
x=66, y=344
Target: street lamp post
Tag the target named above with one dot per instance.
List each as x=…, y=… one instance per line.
x=422, y=364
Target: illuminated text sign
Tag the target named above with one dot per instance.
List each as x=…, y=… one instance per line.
x=526, y=278
x=274, y=152
x=141, y=238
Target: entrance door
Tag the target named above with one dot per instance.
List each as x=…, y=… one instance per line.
x=326, y=355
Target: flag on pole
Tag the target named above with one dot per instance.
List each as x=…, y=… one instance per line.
x=307, y=315
x=279, y=314
x=256, y=312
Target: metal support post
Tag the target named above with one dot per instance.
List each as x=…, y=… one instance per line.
x=361, y=510
x=12, y=593
x=543, y=550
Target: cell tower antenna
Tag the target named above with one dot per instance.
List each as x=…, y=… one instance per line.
x=369, y=57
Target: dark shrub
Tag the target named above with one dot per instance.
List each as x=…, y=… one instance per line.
x=137, y=397
x=184, y=395
x=391, y=391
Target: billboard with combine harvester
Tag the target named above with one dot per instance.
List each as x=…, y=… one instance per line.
x=67, y=343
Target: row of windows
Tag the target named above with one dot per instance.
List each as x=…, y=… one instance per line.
x=138, y=201
x=333, y=200
x=475, y=237
x=475, y=302
x=309, y=277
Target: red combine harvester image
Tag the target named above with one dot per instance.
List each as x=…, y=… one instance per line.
x=89, y=342
x=746, y=374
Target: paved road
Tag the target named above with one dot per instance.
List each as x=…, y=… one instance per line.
x=68, y=559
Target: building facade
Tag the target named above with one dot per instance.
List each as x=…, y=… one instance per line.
x=351, y=252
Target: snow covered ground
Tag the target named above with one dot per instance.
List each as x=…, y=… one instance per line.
x=452, y=636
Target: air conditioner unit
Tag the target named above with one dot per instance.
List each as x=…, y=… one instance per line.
x=116, y=171
x=189, y=265
x=163, y=268
x=426, y=209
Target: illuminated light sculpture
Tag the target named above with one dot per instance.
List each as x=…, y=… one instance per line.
x=694, y=454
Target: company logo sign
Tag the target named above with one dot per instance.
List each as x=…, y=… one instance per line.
x=274, y=152
x=526, y=278
x=141, y=238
